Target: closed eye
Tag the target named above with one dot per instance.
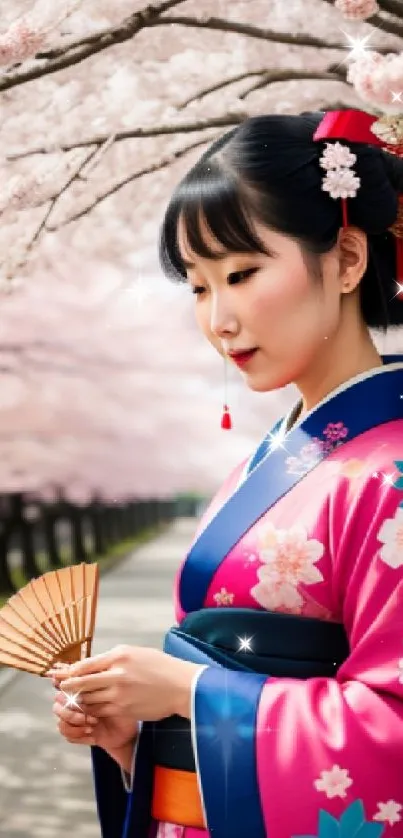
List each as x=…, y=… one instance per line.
x=233, y=279
x=240, y=276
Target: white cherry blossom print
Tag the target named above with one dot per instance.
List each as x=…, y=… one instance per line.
x=223, y=597
x=389, y=812
x=391, y=534
x=334, y=783
x=289, y=559
x=400, y=670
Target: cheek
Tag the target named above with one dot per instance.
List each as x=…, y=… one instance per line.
x=279, y=298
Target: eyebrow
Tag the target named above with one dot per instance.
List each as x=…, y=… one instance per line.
x=219, y=257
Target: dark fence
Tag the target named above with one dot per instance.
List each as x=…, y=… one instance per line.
x=35, y=536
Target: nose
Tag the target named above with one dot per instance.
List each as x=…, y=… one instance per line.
x=223, y=320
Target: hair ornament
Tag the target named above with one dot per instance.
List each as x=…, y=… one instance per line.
x=359, y=127
x=340, y=180
x=389, y=129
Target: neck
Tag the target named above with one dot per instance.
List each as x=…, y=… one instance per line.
x=344, y=357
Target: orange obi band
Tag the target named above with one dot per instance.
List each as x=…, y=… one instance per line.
x=176, y=798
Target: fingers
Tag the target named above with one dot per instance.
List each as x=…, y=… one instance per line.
x=73, y=717
x=103, y=710
x=92, y=682
x=88, y=666
x=77, y=735
x=97, y=697
x=75, y=727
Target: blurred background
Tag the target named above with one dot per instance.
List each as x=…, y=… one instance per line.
x=110, y=400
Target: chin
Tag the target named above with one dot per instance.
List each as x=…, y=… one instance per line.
x=265, y=384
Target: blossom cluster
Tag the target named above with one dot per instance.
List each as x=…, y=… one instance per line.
x=27, y=35
x=378, y=80
x=357, y=9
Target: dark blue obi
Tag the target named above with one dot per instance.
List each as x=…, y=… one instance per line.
x=278, y=645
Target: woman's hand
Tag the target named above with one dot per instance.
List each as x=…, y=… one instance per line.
x=130, y=681
x=113, y=734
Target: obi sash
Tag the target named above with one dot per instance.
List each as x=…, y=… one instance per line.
x=281, y=645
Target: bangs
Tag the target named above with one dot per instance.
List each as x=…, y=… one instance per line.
x=208, y=198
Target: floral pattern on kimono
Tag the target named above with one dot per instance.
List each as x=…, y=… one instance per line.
x=327, y=552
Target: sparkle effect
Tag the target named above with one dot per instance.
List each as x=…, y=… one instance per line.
x=277, y=440
x=71, y=701
x=357, y=46
x=387, y=479
x=244, y=644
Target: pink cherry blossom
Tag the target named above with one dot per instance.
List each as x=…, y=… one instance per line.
x=289, y=560
x=357, y=9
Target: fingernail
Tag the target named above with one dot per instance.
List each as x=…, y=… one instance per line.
x=88, y=731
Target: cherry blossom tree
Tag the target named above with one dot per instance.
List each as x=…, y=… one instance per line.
x=106, y=385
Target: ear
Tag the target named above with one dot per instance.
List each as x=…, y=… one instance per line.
x=353, y=257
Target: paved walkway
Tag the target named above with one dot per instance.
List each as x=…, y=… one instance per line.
x=45, y=783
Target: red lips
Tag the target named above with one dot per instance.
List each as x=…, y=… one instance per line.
x=242, y=358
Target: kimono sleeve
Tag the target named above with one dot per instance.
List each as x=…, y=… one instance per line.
x=110, y=793
x=112, y=790
x=288, y=758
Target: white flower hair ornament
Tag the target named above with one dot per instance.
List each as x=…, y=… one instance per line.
x=341, y=180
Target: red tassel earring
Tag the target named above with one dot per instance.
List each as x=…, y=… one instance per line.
x=226, y=421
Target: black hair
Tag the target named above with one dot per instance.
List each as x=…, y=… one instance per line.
x=267, y=170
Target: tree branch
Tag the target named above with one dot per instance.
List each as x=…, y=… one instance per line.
x=265, y=77
x=393, y=7
x=219, y=86
x=154, y=167
x=291, y=75
x=221, y=25
x=78, y=51
x=136, y=133
x=53, y=202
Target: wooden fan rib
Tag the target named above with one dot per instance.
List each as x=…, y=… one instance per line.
x=20, y=663
x=92, y=589
x=30, y=655
x=15, y=620
x=48, y=593
x=21, y=607
x=62, y=590
x=78, y=591
x=29, y=636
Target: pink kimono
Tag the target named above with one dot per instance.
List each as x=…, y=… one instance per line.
x=320, y=757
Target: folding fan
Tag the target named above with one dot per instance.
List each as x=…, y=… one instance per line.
x=50, y=620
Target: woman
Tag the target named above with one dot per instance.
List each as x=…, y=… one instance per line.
x=290, y=663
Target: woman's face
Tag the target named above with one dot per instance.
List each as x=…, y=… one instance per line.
x=269, y=302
